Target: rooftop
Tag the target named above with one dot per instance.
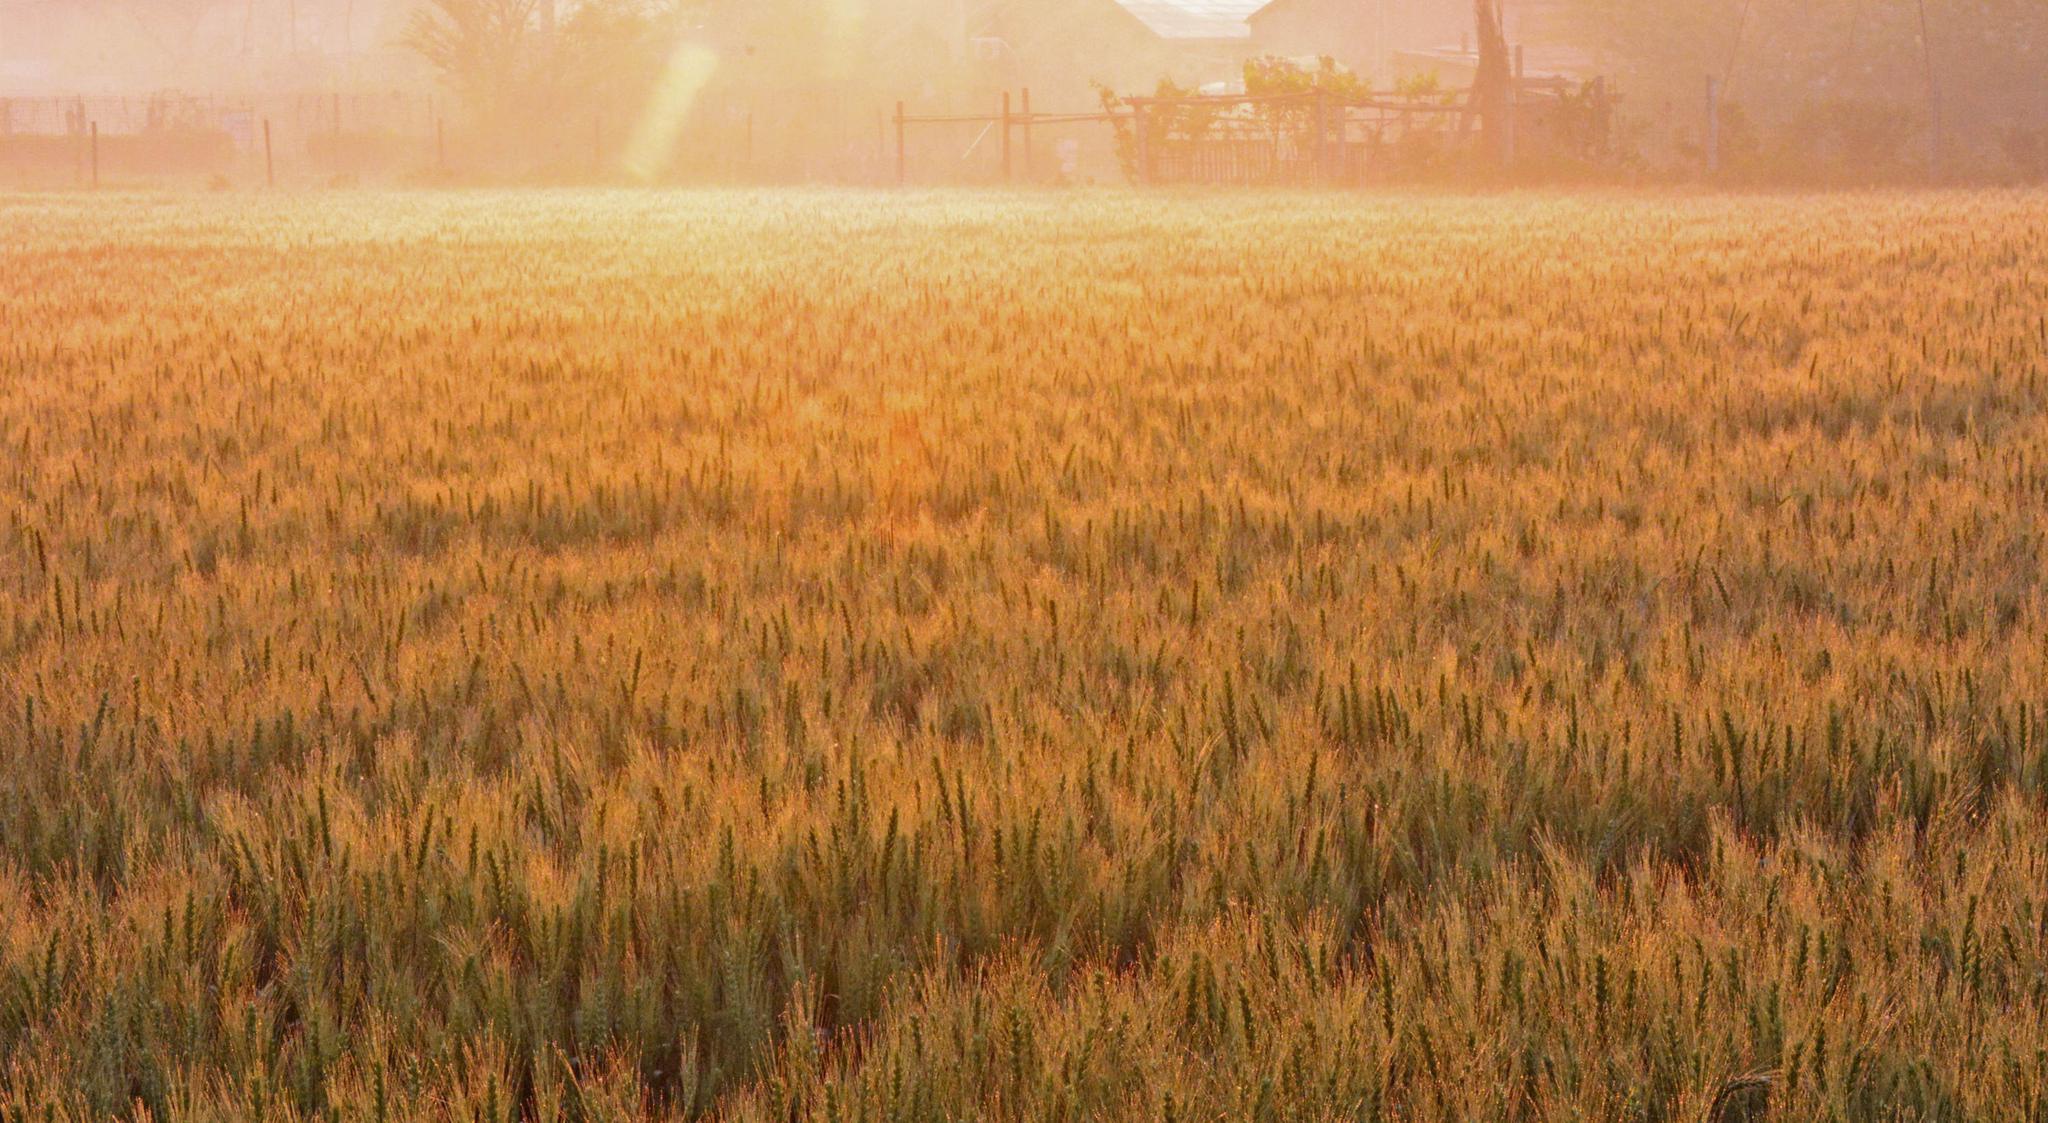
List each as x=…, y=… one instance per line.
x=1195, y=19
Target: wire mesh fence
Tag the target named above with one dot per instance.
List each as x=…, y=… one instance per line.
x=58, y=139
x=410, y=136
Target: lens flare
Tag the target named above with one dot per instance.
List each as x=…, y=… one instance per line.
x=653, y=141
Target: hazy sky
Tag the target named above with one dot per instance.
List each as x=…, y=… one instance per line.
x=131, y=45
x=89, y=45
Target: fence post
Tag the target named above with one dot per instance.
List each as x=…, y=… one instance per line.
x=1934, y=137
x=1322, y=137
x=597, y=146
x=1006, y=136
x=1144, y=144
x=1602, y=128
x=902, y=164
x=1933, y=97
x=1713, y=125
x=440, y=145
x=1028, y=172
x=269, y=156
x=95, y=155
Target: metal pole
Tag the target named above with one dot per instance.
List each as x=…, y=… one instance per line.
x=902, y=162
x=1713, y=125
x=1601, y=125
x=1933, y=97
x=1934, y=135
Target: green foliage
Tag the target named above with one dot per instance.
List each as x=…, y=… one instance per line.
x=1269, y=75
x=1424, y=87
x=1192, y=122
x=1186, y=122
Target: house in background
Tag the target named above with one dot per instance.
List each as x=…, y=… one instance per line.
x=1063, y=48
x=1394, y=39
x=1362, y=35
x=1354, y=33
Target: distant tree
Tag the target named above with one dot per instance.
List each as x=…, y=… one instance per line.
x=488, y=51
x=1491, y=84
x=519, y=65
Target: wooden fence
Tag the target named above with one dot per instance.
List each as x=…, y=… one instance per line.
x=1315, y=137
x=48, y=139
x=312, y=138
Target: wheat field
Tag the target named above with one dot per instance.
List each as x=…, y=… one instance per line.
x=945, y=656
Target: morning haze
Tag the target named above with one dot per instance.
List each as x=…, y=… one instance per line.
x=1078, y=560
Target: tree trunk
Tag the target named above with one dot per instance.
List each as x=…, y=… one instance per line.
x=1490, y=84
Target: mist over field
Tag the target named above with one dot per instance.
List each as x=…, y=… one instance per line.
x=1834, y=93
x=1023, y=560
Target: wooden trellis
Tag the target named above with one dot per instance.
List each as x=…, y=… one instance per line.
x=1307, y=138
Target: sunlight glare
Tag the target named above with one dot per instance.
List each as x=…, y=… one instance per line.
x=689, y=70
